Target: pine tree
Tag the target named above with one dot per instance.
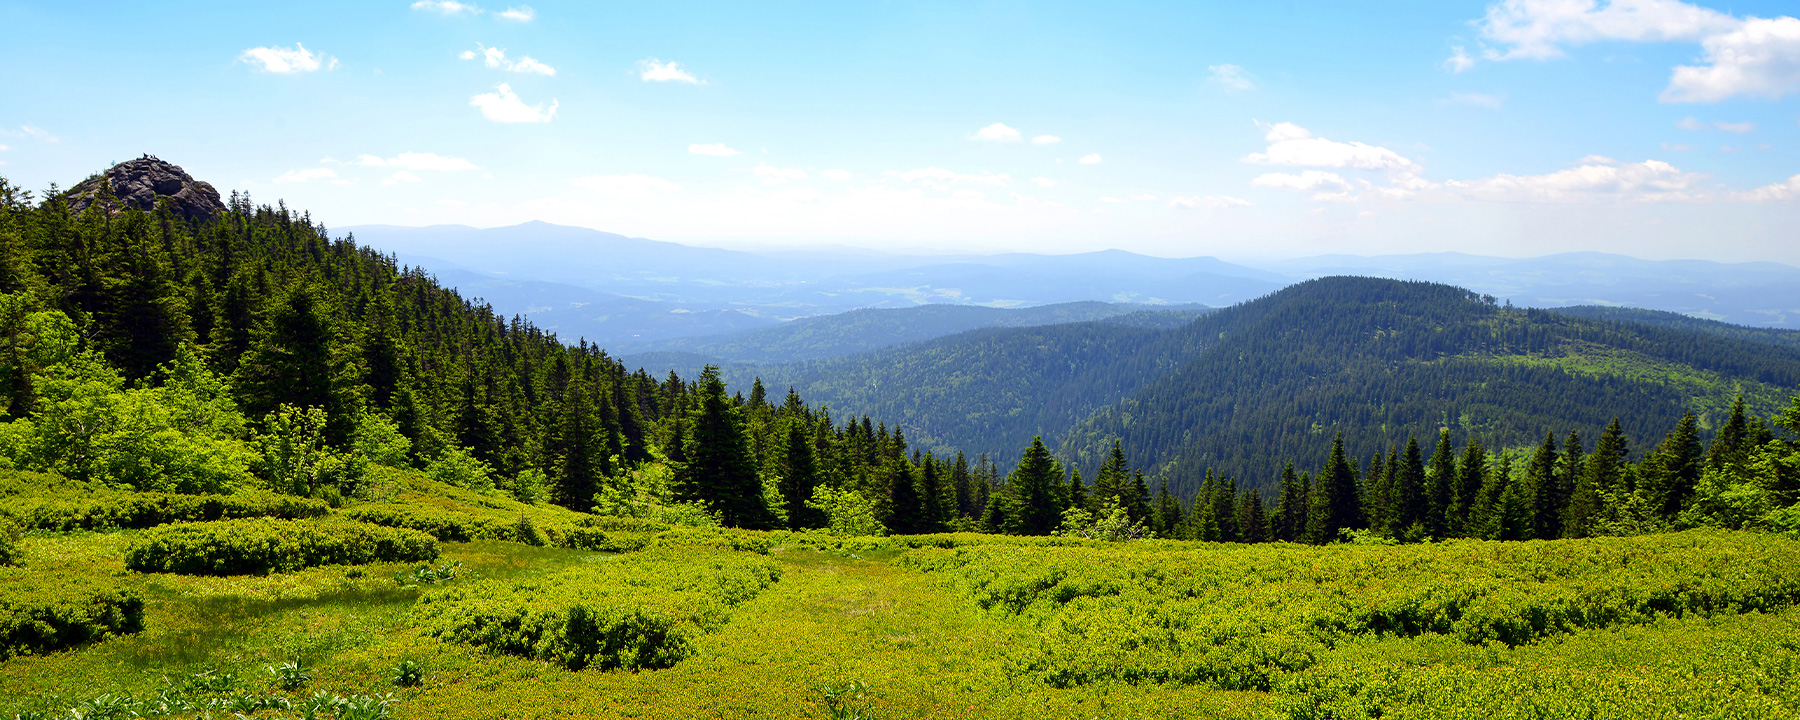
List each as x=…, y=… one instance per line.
x=799, y=476
x=1568, y=476
x=1223, y=507
x=1169, y=515
x=1731, y=444
x=1471, y=474
x=1033, y=485
x=934, y=512
x=967, y=504
x=1440, y=482
x=295, y=358
x=1600, y=479
x=1333, y=507
x=1539, y=492
x=906, y=507
x=720, y=472
x=1406, y=506
x=1672, y=470
x=1078, y=493
x=1376, y=489
x=1290, y=507
x=1253, y=521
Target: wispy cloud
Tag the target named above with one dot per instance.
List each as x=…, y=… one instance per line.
x=1208, y=202
x=496, y=58
x=1230, y=77
x=997, y=132
x=419, y=161
x=771, y=175
x=714, y=149
x=522, y=13
x=401, y=176
x=1694, y=124
x=1459, y=60
x=285, y=61
x=1090, y=159
x=446, y=7
x=1290, y=144
x=654, y=70
x=1046, y=140
x=504, y=106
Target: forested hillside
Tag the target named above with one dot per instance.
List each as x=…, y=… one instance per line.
x=1246, y=389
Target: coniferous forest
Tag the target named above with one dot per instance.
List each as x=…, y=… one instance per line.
x=248, y=467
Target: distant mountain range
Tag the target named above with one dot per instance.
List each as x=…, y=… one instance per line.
x=633, y=295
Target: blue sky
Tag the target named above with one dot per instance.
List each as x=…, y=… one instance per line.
x=1242, y=130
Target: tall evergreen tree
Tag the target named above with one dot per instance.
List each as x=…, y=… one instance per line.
x=1334, y=507
x=1471, y=474
x=1540, y=493
x=1673, y=470
x=1600, y=479
x=720, y=472
x=1407, y=505
x=1253, y=521
x=1290, y=507
x=1440, y=483
x=799, y=476
x=1033, y=485
x=934, y=510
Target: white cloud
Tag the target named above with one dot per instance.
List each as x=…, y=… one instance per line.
x=1291, y=144
x=1046, y=140
x=300, y=176
x=1210, y=202
x=36, y=133
x=283, y=61
x=447, y=7
x=1305, y=181
x=1759, y=58
x=1144, y=197
x=1478, y=99
x=1090, y=159
x=997, y=132
x=504, y=106
x=970, y=194
x=654, y=70
x=633, y=186
x=496, y=58
x=1690, y=123
x=1043, y=182
x=419, y=161
x=1459, y=60
x=401, y=176
x=1231, y=77
x=836, y=175
x=522, y=13
x=771, y=175
x=1596, y=178
x=714, y=149
x=1779, y=192
x=1737, y=127
x=1539, y=28
x=1109, y=199
x=4, y=148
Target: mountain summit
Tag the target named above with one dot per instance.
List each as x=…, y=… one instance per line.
x=140, y=183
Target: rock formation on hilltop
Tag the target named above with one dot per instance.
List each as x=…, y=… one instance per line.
x=140, y=183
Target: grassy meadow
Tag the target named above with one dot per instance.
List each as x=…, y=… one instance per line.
x=700, y=622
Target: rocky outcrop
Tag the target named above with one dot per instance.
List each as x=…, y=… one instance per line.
x=140, y=183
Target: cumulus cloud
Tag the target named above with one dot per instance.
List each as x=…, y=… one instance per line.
x=836, y=175
x=285, y=61
x=1744, y=57
x=419, y=161
x=496, y=58
x=714, y=149
x=1290, y=144
x=630, y=186
x=522, y=13
x=1540, y=28
x=504, y=106
x=446, y=7
x=771, y=175
x=1230, y=77
x=401, y=176
x=997, y=132
x=654, y=70
x=1596, y=178
x=1760, y=58
x=1784, y=191
x=1209, y=202
x=1304, y=181
x=1090, y=159
x=1459, y=60
x=1046, y=140
x=300, y=176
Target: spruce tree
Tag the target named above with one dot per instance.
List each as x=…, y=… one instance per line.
x=1033, y=485
x=1440, y=482
x=1471, y=474
x=934, y=512
x=1406, y=506
x=905, y=507
x=720, y=472
x=1290, y=507
x=1599, y=480
x=962, y=482
x=1333, y=503
x=1672, y=471
x=1078, y=493
x=1539, y=492
x=799, y=476
x=1568, y=476
x=1253, y=522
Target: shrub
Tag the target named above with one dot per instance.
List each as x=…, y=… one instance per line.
x=107, y=510
x=445, y=525
x=458, y=467
x=637, y=611
x=9, y=541
x=296, y=460
x=40, y=613
x=241, y=547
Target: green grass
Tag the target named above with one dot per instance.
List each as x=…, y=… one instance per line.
x=1693, y=625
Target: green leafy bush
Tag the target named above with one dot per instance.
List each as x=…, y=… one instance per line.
x=459, y=467
x=9, y=540
x=1237, y=617
x=242, y=547
x=40, y=613
x=107, y=510
x=445, y=525
x=636, y=611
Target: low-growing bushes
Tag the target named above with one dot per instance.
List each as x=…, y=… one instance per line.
x=243, y=547
x=40, y=613
x=1236, y=617
x=140, y=510
x=635, y=611
x=454, y=526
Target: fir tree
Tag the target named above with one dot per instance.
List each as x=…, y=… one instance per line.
x=1539, y=492
x=1440, y=482
x=720, y=472
x=1672, y=470
x=1406, y=506
x=1033, y=485
x=1333, y=503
